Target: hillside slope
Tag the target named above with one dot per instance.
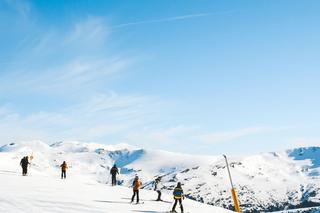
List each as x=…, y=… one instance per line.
x=265, y=182
x=41, y=194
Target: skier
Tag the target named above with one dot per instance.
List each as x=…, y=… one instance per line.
x=136, y=186
x=178, y=196
x=64, y=168
x=114, y=171
x=24, y=164
x=157, y=187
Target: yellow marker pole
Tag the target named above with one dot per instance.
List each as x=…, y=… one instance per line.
x=233, y=191
x=235, y=200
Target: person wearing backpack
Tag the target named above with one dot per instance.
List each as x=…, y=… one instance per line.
x=136, y=186
x=64, y=168
x=114, y=171
x=178, y=196
x=157, y=188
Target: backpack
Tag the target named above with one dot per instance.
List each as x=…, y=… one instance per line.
x=178, y=193
x=114, y=170
x=136, y=184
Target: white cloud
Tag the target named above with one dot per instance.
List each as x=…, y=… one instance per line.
x=220, y=137
x=74, y=76
x=65, y=61
x=161, y=137
x=89, y=32
x=71, y=64
x=170, y=19
x=94, y=120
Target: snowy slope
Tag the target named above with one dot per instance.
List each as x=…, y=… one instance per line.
x=42, y=190
x=40, y=194
x=265, y=182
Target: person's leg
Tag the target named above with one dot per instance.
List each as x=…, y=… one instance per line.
x=64, y=174
x=61, y=174
x=181, y=206
x=113, y=180
x=175, y=204
x=137, y=196
x=134, y=194
x=159, y=195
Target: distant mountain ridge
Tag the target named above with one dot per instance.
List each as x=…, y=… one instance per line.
x=271, y=181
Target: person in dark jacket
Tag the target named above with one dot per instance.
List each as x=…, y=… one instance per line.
x=114, y=172
x=64, y=168
x=24, y=164
x=157, y=187
x=178, y=196
x=136, y=186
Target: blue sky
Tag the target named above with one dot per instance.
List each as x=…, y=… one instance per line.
x=204, y=77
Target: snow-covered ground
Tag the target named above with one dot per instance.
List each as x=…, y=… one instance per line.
x=265, y=182
x=40, y=194
x=43, y=191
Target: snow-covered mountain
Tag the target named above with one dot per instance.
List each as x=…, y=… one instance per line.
x=264, y=182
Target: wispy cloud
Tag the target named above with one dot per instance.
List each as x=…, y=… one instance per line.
x=169, y=19
x=92, y=30
x=63, y=61
x=104, y=117
x=172, y=136
x=60, y=65
x=22, y=7
x=220, y=137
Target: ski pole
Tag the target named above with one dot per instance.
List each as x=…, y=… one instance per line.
x=233, y=191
